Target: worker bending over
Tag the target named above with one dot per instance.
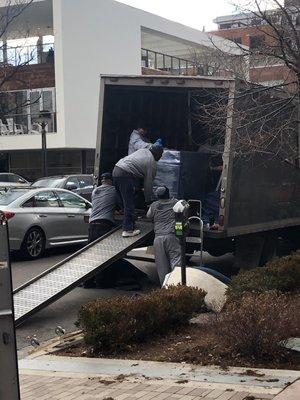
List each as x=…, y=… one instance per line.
x=105, y=201
x=166, y=245
x=127, y=172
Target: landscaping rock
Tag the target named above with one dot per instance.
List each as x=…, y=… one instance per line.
x=215, y=289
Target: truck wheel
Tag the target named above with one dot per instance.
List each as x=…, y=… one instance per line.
x=270, y=249
x=248, y=250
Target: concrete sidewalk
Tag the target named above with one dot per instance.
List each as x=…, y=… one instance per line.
x=44, y=386
x=66, y=378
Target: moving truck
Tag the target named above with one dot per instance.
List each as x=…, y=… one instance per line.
x=259, y=199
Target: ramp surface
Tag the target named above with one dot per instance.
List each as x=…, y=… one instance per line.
x=64, y=276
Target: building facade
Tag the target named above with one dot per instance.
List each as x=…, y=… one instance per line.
x=248, y=29
x=51, y=58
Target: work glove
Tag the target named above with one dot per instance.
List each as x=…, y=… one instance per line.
x=158, y=142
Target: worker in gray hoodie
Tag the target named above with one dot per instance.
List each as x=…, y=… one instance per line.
x=166, y=245
x=127, y=172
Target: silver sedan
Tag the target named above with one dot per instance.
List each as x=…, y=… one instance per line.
x=40, y=218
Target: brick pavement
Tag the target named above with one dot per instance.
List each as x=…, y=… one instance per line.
x=35, y=386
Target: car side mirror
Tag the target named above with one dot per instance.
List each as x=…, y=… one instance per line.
x=22, y=180
x=71, y=186
x=87, y=206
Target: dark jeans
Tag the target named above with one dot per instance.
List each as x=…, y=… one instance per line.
x=210, y=208
x=125, y=186
x=99, y=228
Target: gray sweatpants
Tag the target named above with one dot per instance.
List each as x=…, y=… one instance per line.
x=167, y=254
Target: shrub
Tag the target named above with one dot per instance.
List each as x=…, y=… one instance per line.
x=256, y=325
x=282, y=275
x=112, y=324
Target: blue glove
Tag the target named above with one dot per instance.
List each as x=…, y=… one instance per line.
x=158, y=142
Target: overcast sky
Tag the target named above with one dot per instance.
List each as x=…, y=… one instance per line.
x=195, y=13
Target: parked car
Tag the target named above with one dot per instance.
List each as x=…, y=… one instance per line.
x=9, y=179
x=40, y=218
x=80, y=184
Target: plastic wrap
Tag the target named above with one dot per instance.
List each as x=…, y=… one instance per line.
x=168, y=172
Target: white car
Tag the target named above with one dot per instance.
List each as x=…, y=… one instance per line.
x=42, y=218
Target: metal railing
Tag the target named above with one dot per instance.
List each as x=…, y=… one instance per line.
x=25, y=124
x=31, y=54
x=171, y=64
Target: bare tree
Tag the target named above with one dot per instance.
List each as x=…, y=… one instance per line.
x=211, y=61
x=266, y=118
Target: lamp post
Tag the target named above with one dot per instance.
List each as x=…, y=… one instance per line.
x=43, y=120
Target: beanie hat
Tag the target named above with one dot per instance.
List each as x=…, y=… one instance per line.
x=162, y=192
x=157, y=150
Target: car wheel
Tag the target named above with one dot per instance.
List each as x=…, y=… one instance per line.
x=33, y=244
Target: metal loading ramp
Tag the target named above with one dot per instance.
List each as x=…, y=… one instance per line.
x=67, y=274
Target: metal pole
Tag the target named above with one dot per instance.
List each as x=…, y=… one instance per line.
x=183, y=260
x=44, y=149
x=9, y=375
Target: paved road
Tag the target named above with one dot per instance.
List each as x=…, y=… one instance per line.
x=64, y=311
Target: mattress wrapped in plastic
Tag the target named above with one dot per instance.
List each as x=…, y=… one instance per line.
x=168, y=172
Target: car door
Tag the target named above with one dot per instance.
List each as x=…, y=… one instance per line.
x=49, y=215
x=76, y=216
x=86, y=185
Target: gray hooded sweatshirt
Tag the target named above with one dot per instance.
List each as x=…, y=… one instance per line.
x=140, y=164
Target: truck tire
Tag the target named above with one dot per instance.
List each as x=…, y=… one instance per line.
x=255, y=250
x=270, y=249
x=248, y=250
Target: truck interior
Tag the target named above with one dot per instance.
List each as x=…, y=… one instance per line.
x=177, y=116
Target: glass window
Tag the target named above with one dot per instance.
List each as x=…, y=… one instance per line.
x=4, y=178
x=10, y=196
x=46, y=199
x=85, y=181
x=29, y=203
x=16, y=179
x=257, y=41
x=49, y=182
x=70, y=200
x=72, y=181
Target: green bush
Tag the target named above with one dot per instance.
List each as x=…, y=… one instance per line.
x=256, y=325
x=112, y=324
x=282, y=274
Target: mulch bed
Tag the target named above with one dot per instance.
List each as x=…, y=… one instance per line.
x=195, y=344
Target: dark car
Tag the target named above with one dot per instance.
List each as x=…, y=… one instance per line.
x=80, y=184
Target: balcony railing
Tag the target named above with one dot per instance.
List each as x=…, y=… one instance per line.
x=24, y=124
x=32, y=54
x=164, y=62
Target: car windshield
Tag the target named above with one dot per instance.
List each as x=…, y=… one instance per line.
x=49, y=182
x=7, y=197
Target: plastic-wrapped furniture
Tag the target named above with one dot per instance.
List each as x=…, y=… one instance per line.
x=168, y=172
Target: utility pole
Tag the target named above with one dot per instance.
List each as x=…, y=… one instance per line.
x=9, y=375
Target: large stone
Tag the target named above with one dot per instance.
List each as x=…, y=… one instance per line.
x=215, y=289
